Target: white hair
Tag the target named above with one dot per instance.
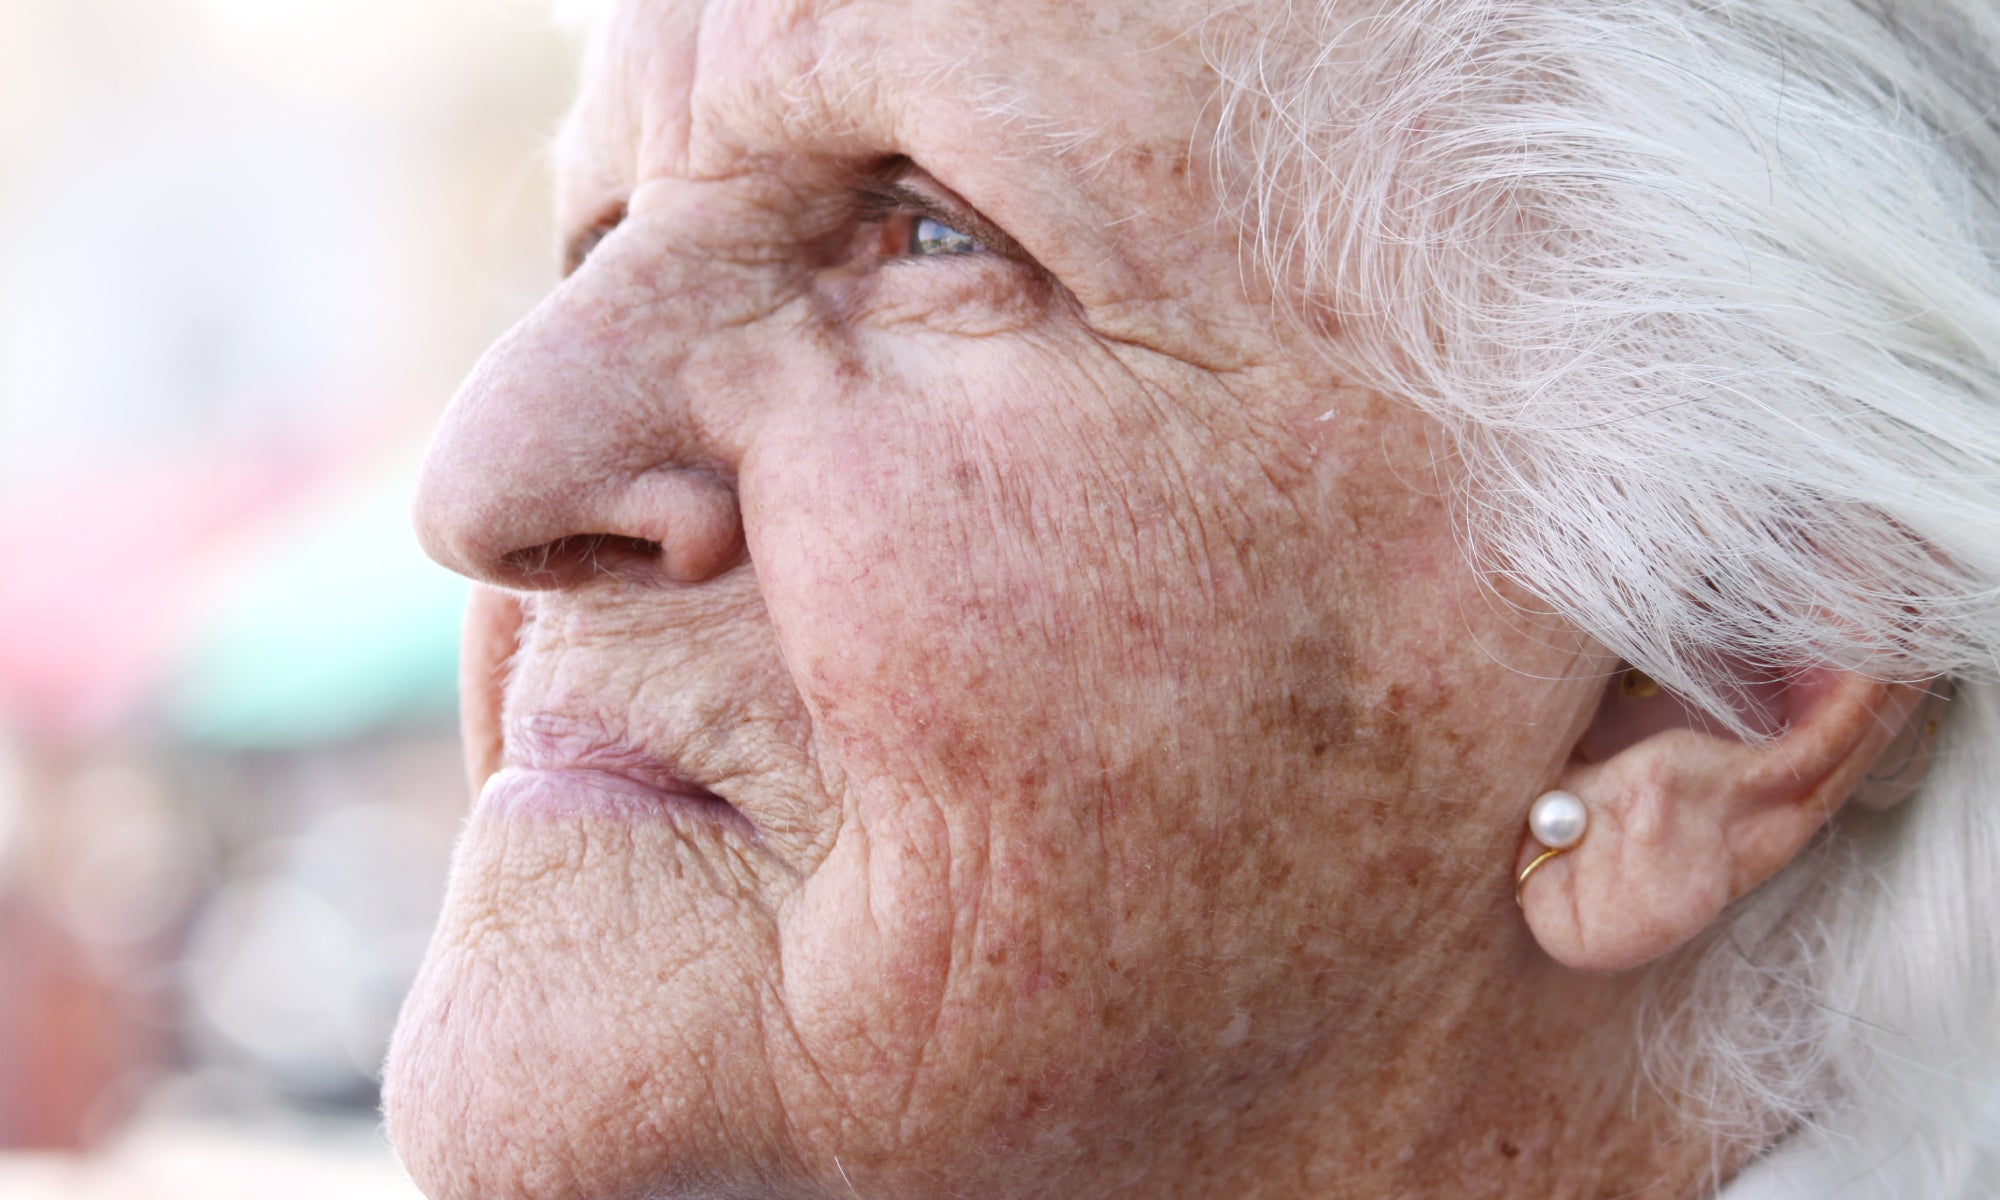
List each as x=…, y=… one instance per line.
x=1707, y=292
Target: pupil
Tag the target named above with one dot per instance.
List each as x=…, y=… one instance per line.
x=931, y=236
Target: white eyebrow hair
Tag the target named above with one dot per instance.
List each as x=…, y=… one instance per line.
x=1008, y=104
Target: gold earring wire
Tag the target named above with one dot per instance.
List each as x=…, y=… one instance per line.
x=1522, y=882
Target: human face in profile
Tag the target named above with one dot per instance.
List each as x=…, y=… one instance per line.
x=965, y=703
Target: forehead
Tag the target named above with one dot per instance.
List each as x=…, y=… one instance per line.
x=702, y=88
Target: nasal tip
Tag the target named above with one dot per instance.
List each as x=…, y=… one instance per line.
x=669, y=525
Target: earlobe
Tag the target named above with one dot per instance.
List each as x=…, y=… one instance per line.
x=1685, y=818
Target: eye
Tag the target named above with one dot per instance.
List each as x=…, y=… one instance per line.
x=909, y=222
x=907, y=231
x=929, y=236
x=582, y=244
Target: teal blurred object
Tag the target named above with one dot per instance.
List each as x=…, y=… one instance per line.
x=335, y=627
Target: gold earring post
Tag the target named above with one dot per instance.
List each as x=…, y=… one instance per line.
x=1522, y=882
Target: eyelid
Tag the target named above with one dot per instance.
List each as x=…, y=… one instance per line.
x=884, y=196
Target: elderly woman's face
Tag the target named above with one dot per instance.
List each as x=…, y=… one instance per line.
x=1108, y=728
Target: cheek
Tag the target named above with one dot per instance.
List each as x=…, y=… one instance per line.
x=1044, y=676
x=932, y=575
x=988, y=619
x=1079, y=682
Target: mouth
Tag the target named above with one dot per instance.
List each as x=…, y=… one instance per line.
x=552, y=767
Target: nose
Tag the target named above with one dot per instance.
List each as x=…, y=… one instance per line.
x=573, y=454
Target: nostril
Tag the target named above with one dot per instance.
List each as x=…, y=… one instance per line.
x=665, y=528
x=568, y=561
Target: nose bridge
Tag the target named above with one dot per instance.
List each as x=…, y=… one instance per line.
x=577, y=448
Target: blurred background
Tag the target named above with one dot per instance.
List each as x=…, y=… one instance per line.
x=247, y=248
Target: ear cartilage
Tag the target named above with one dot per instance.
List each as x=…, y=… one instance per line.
x=1558, y=820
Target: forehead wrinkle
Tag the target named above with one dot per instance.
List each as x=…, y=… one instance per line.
x=681, y=102
x=648, y=74
x=630, y=58
x=769, y=77
x=770, y=88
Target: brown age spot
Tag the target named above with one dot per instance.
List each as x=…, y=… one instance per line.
x=1413, y=863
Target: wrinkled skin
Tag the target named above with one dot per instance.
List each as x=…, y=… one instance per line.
x=1125, y=770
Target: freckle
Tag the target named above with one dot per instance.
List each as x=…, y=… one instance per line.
x=1510, y=1149
x=1276, y=874
x=1414, y=864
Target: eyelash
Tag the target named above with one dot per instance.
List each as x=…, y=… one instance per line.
x=880, y=206
x=887, y=207
x=580, y=249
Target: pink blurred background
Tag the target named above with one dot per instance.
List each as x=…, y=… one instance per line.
x=247, y=247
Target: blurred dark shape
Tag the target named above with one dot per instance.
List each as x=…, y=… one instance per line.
x=77, y=1041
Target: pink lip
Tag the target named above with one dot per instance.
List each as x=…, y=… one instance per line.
x=558, y=765
x=579, y=791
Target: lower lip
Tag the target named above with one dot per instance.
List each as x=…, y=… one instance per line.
x=600, y=795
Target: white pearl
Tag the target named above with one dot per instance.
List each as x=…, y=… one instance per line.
x=1558, y=820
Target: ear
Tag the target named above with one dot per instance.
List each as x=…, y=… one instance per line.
x=1686, y=818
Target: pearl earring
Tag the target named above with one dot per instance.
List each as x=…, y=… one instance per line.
x=1558, y=820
